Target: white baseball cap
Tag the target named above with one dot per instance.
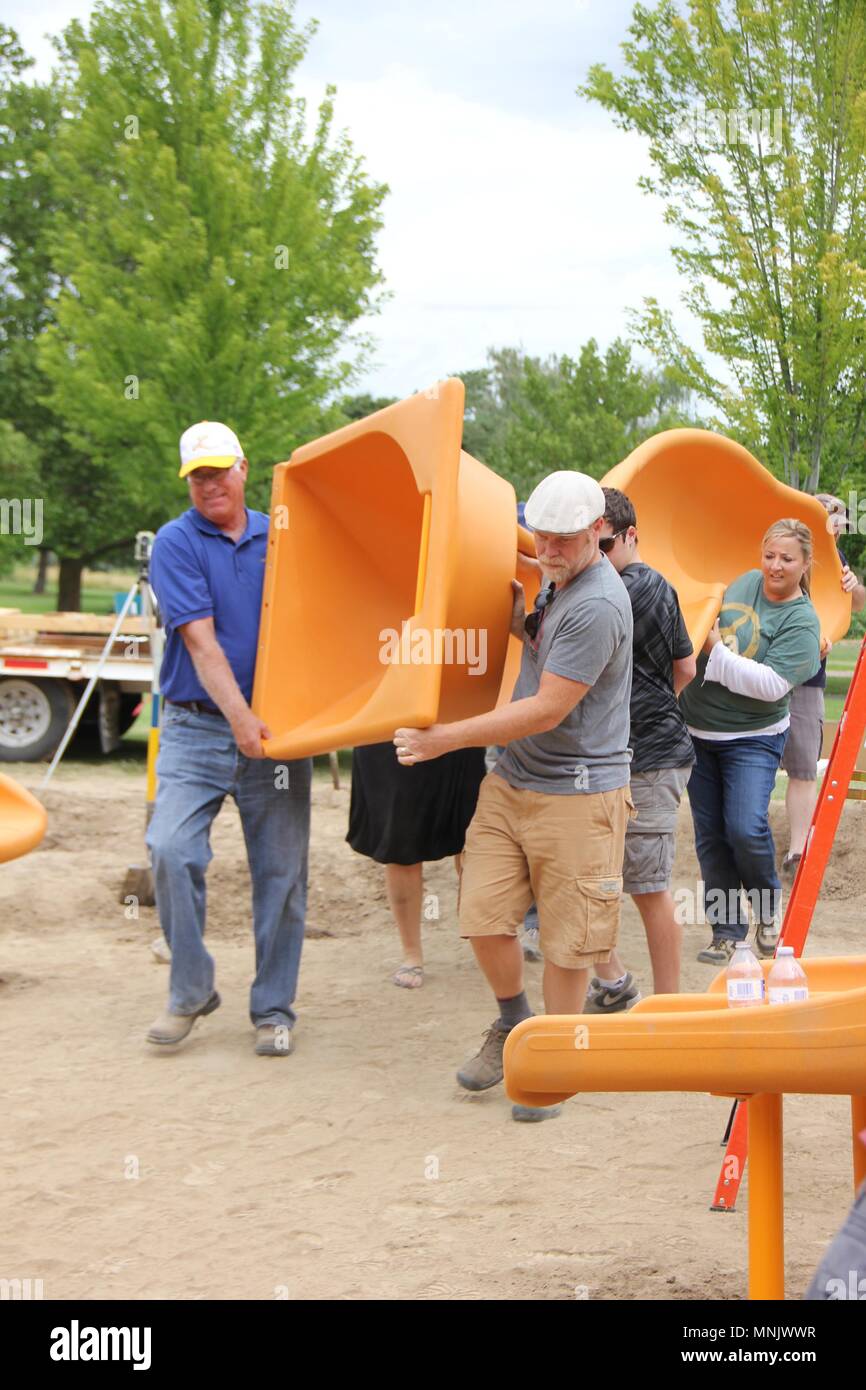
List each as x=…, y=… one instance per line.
x=565, y=502
x=208, y=445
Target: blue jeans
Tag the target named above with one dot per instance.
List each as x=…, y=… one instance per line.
x=729, y=793
x=199, y=765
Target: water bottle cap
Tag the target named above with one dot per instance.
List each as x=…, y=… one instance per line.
x=785, y=951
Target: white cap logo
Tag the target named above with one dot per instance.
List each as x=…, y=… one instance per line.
x=208, y=444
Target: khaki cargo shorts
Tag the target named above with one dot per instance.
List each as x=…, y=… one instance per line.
x=563, y=851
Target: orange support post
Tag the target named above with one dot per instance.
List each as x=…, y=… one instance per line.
x=766, y=1199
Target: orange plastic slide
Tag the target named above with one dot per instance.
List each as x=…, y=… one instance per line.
x=387, y=592
x=703, y=503
x=686, y=1042
x=22, y=820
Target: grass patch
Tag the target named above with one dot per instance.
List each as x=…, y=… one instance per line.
x=97, y=590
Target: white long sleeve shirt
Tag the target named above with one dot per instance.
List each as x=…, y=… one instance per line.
x=743, y=676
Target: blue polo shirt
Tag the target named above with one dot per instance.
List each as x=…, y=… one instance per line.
x=199, y=572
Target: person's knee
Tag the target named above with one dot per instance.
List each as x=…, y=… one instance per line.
x=173, y=853
x=749, y=837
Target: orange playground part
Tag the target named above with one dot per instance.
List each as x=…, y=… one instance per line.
x=387, y=595
x=682, y=1042
x=22, y=820
x=703, y=503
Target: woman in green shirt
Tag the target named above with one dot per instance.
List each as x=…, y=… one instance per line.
x=765, y=642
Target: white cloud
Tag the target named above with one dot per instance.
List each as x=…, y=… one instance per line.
x=500, y=229
x=514, y=217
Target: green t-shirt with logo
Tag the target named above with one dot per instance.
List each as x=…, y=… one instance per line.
x=783, y=636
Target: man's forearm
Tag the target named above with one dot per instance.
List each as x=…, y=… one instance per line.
x=213, y=670
x=858, y=598
x=517, y=720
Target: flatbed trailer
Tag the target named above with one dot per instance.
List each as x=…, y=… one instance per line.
x=46, y=660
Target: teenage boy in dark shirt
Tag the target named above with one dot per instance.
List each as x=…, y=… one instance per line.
x=664, y=663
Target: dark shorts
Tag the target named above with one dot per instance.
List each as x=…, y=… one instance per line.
x=650, y=839
x=806, y=734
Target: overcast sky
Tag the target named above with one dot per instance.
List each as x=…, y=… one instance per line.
x=514, y=217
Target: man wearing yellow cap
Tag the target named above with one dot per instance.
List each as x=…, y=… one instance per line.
x=207, y=570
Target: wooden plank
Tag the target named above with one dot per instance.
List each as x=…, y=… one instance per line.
x=91, y=623
x=827, y=746
x=79, y=643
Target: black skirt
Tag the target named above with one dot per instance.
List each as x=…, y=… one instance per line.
x=406, y=815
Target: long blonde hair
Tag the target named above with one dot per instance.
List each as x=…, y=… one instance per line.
x=798, y=531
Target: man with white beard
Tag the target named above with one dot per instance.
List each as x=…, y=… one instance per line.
x=551, y=816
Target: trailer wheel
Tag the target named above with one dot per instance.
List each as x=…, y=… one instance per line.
x=34, y=715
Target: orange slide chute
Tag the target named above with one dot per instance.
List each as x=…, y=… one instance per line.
x=388, y=527
x=387, y=595
x=22, y=820
x=703, y=504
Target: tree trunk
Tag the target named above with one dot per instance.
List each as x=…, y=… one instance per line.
x=42, y=572
x=69, y=588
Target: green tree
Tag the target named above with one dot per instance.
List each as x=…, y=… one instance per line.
x=29, y=114
x=359, y=407
x=212, y=254
x=756, y=118
x=491, y=393
x=529, y=416
x=21, y=509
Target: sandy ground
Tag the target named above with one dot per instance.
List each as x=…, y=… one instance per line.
x=356, y=1168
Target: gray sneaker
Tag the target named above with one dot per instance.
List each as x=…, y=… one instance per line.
x=719, y=951
x=601, y=1000
x=485, y=1069
x=766, y=939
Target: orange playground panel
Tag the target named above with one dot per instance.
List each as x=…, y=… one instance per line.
x=387, y=593
x=387, y=596
x=703, y=503
x=687, y=1042
x=22, y=820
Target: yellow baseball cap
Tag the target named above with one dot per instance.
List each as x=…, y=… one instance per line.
x=208, y=445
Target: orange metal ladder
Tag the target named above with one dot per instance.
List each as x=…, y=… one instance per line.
x=801, y=905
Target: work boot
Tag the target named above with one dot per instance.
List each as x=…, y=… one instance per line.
x=273, y=1040
x=173, y=1028
x=485, y=1069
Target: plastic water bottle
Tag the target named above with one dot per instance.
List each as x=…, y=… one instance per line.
x=787, y=983
x=744, y=978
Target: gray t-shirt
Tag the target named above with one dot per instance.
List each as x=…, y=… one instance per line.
x=585, y=635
